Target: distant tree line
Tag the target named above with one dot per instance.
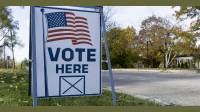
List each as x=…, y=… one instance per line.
x=8, y=37
x=157, y=44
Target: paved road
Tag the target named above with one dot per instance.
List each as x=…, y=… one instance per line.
x=165, y=88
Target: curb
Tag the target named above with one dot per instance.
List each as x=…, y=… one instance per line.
x=152, y=70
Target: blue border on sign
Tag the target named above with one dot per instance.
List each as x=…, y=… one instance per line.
x=73, y=9
x=100, y=91
x=44, y=49
x=100, y=55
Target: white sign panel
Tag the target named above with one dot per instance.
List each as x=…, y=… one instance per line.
x=67, y=52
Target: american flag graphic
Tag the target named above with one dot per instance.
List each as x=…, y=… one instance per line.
x=66, y=25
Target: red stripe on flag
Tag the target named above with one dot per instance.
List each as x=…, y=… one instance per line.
x=60, y=30
x=82, y=26
x=80, y=18
x=83, y=39
x=63, y=38
x=83, y=30
x=71, y=38
x=75, y=43
x=74, y=22
x=71, y=13
x=64, y=34
x=81, y=22
x=71, y=18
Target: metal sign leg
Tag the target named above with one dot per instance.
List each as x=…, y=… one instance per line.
x=34, y=76
x=35, y=102
x=108, y=59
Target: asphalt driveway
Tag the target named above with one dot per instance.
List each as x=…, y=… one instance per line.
x=165, y=88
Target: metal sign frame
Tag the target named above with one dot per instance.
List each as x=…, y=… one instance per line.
x=33, y=50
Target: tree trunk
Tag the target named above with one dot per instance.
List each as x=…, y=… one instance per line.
x=166, y=61
x=4, y=55
x=13, y=55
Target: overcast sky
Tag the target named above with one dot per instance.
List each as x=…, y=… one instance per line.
x=123, y=16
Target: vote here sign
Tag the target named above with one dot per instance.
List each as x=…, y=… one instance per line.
x=67, y=44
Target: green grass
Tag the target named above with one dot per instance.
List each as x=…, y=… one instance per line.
x=14, y=92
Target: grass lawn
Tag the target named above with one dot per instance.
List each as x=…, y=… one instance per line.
x=14, y=92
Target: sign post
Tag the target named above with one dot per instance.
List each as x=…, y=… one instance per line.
x=66, y=52
x=34, y=69
x=108, y=59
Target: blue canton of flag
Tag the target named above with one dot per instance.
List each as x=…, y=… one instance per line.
x=57, y=19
